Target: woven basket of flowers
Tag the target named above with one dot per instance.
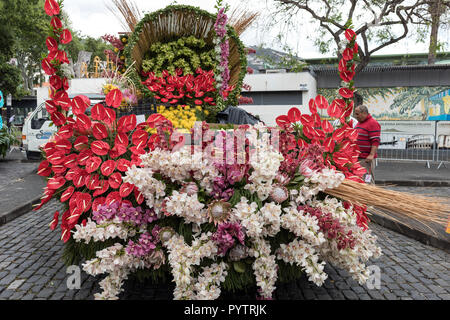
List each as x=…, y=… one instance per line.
x=183, y=55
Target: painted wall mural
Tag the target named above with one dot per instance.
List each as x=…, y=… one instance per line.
x=402, y=103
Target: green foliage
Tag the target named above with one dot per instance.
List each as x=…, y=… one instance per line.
x=7, y=138
x=187, y=53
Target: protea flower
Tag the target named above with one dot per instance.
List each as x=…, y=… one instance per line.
x=218, y=211
x=239, y=252
x=190, y=188
x=165, y=234
x=279, y=193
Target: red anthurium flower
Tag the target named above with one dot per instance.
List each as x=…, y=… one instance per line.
x=350, y=34
x=65, y=83
x=99, y=131
x=63, y=144
x=65, y=235
x=79, y=105
x=51, y=7
x=309, y=132
x=113, y=197
x=98, y=202
x=84, y=156
x=84, y=201
x=71, y=160
x=321, y=102
x=79, y=180
x=81, y=143
x=93, y=163
x=93, y=182
x=140, y=151
x=352, y=134
x=71, y=173
x=58, y=118
x=117, y=151
x=154, y=119
x=302, y=143
x=126, y=189
x=62, y=99
x=66, y=36
x=75, y=213
x=52, y=44
x=67, y=194
x=71, y=120
x=100, y=148
x=294, y=115
x=44, y=169
x=329, y=144
x=355, y=48
x=316, y=119
x=59, y=168
x=283, y=121
x=347, y=54
x=56, y=82
x=334, y=110
x=83, y=122
x=122, y=139
x=126, y=123
x=346, y=93
x=46, y=198
x=327, y=127
x=347, y=76
x=359, y=171
x=312, y=106
x=62, y=56
x=56, y=183
x=123, y=165
x=306, y=119
x=56, y=23
x=104, y=186
x=98, y=112
x=50, y=106
x=339, y=134
x=138, y=195
x=65, y=132
x=48, y=67
x=342, y=67
x=108, y=167
x=56, y=157
x=54, y=222
x=139, y=137
x=114, y=98
x=110, y=116
x=115, y=180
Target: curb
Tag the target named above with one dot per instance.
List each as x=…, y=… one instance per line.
x=411, y=233
x=414, y=183
x=18, y=211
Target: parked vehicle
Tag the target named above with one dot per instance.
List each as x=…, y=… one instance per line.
x=38, y=128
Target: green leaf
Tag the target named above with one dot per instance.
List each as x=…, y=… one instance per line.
x=239, y=266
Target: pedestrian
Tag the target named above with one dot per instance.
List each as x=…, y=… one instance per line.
x=368, y=140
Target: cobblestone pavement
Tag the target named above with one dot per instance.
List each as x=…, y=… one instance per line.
x=12, y=170
x=31, y=268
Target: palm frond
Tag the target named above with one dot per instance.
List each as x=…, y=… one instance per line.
x=241, y=19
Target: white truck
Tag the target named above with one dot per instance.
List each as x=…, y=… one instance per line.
x=37, y=128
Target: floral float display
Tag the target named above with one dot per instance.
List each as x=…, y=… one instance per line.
x=230, y=210
x=180, y=49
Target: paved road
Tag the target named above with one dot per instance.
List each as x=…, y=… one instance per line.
x=31, y=268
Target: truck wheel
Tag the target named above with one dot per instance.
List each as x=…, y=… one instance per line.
x=31, y=155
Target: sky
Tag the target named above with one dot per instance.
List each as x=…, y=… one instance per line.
x=92, y=18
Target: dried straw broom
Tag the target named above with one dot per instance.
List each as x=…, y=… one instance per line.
x=420, y=208
x=127, y=13
x=241, y=19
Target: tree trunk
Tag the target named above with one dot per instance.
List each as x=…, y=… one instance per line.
x=435, y=12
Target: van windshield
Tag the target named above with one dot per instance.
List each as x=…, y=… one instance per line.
x=39, y=119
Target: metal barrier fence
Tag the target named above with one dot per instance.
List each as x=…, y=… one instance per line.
x=414, y=147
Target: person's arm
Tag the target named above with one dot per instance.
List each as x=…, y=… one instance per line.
x=373, y=152
x=374, y=137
